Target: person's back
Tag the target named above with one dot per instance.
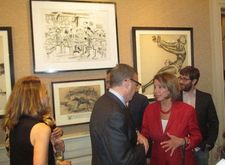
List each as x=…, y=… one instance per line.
x=21, y=149
x=113, y=136
x=100, y=146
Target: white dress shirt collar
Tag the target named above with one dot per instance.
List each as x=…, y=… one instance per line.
x=121, y=98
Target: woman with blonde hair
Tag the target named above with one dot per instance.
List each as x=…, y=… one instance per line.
x=28, y=121
x=171, y=125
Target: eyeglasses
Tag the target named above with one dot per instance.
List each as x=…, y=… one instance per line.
x=183, y=78
x=137, y=83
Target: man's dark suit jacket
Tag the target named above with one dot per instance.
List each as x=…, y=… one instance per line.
x=207, y=118
x=137, y=106
x=113, y=136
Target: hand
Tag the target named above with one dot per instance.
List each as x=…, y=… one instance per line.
x=63, y=162
x=142, y=140
x=57, y=132
x=205, y=147
x=59, y=145
x=172, y=143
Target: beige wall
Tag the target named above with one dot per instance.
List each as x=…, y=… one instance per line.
x=162, y=13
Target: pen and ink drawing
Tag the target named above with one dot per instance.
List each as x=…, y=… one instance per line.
x=6, y=66
x=73, y=35
x=160, y=49
x=78, y=99
x=74, y=100
x=2, y=86
x=176, y=48
x=2, y=78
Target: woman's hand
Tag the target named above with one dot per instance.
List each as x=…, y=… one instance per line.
x=173, y=143
x=59, y=145
x=57, y=132
x=64, y=162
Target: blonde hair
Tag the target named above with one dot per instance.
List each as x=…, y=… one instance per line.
x=27, y=98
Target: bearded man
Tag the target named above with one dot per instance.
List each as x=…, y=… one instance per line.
x=205, y=110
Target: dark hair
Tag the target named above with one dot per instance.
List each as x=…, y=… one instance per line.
x=120, y=73
x=192, y=72
x=169, y=81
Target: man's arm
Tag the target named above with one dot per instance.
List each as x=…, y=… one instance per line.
x=119, y=145
x=213, y=124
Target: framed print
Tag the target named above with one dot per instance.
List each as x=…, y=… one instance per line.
x=6, y=66
x=73, y=35
x=159, y=49
x=74, y=100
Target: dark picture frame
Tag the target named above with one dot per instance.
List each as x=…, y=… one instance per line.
x=73, y=35
x=6, y=66
x=160, y=49
x=73, y=101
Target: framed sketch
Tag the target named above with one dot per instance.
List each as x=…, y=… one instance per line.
x=6, y=66
x=72, y=36
x=159, y=49
x=74, y=100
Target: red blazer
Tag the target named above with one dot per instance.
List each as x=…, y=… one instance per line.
x=182, y=123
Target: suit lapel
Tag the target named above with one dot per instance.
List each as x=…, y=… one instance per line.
x=170, y=120
x=122, y=106
x=197, y=100
x=124, y=109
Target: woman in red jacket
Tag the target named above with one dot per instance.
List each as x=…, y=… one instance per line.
x=171, y=125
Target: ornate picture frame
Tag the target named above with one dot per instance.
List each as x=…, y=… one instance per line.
x=73, y=101
x=6, y=66
x=160, y=49
x=73, y=35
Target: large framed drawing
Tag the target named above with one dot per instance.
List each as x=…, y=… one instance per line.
x=6, y=66
x=160, y=49
x=74, y=100
x=73, y=35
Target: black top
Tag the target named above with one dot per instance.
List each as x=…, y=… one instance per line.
x=21, y=149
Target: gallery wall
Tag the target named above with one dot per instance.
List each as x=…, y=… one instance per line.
x=145, y=13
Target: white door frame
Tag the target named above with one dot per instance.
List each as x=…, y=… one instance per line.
x=217, y=62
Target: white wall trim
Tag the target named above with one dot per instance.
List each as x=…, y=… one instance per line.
x=78, y=148
x=217, y=61
x=217, y=71
x=4, y=160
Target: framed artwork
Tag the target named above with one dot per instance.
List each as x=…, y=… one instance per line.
x=6, y=66
x=72, y=36
x=160, y=49
x=74, y=100
x=223, y=38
